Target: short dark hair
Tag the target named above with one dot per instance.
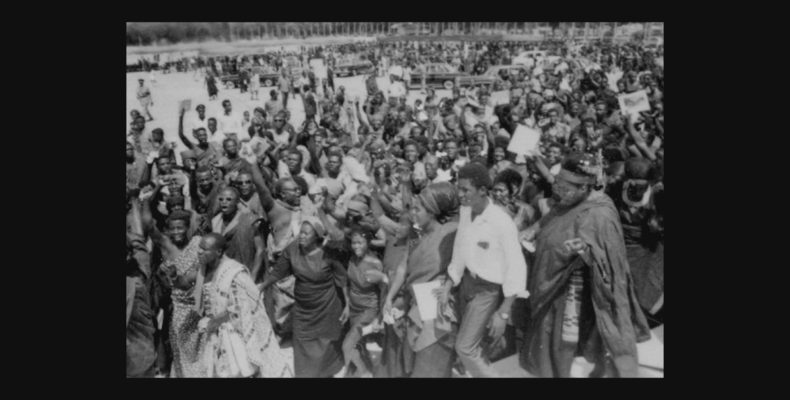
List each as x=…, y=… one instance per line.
x=219, y=240
x=302, y=184
x=477, y=174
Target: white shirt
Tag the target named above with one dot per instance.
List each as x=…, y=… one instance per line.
x=396, y=90
x=230, y=123
x=488, y=247
x=193, y=122
x=396, y=70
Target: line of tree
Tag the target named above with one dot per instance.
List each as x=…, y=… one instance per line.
x=146, y=33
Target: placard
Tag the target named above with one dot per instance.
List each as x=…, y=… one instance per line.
x=427, y=302
x=634, y=103
x=524, y=141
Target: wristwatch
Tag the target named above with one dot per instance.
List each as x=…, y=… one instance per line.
x=505, y=316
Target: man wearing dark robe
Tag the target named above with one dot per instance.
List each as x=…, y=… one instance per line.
x=582, y=294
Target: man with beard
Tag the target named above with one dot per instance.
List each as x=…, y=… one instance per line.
x=582, y=295
x=239, y=227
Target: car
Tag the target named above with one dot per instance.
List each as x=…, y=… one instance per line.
x=268, y=77
x=443, y=75
x=350, y=66
x=293, y=65
x=529, y=58
x=496, y=72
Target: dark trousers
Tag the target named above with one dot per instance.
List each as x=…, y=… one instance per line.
x=285, y=100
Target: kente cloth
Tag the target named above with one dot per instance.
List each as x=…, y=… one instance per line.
x=611, y=321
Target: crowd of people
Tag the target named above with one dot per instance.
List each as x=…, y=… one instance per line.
x=273, y=250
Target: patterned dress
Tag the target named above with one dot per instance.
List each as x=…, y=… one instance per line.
x=245, y=346
x=183, y=328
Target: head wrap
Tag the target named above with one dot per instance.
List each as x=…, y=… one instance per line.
x=580, y=168
x=358, y=206
x=441, y=200
x=316, y=224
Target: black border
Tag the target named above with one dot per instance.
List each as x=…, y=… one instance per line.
x=87, y=256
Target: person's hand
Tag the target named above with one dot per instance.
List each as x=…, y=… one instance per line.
x=442, y=293
x=203, y=324
x=528, y=234
x=146, y=193
x=151, y=157
x=496, y=326
x=575, y=245
x=344, y=315
x=364, y=190
x=375, y=276
x=386, y=310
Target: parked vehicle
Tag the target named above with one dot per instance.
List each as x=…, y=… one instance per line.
x=497, y=72
x=529, y=58
x=443, y=75
x=353, y=65
x=268, y=77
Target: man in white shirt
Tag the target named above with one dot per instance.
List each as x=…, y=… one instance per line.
x=396, y=71
x=487, y=262
x=396, y=90
x=228, y=122
x=197, y=120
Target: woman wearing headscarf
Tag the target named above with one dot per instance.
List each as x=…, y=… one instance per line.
x=317, y=309
x=428, y=349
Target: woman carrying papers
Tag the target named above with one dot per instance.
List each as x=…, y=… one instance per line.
x=429, y=352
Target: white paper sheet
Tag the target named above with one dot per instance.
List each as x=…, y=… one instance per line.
x=426, y=301
x=524, y=141
x=634, y=102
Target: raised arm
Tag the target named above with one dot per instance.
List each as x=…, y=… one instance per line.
x=181, y=136
x=640, y=142
x=267, y=201
x=359, y=116
x=281, y=269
